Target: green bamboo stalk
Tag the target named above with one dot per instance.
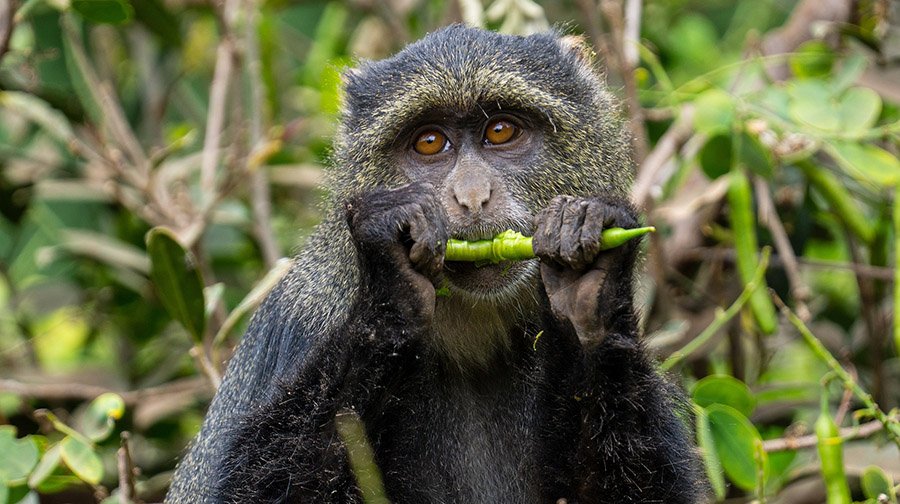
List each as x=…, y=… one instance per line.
x=840, y=200
x=513, y=246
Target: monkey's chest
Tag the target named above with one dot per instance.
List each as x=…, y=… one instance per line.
x=463, y=444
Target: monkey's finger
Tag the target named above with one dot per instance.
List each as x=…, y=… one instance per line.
x=570, y=249
x=592, y=230
x=548, y=221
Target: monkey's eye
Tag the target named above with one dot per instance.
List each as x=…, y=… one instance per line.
x=430, y=142
x=500, y=131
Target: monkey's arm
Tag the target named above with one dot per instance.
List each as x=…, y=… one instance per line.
x=631, y=446
x=287, y=447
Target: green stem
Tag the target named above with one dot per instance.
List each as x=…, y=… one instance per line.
x=891, y=425
x=722, y=317
x=897, y=269
x=841, y=202
x=513, y=246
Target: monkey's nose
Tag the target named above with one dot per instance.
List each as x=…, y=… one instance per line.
x=473, y=199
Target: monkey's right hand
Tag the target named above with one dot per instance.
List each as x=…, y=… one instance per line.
x=400, y=235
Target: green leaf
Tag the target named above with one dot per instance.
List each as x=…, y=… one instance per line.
x=81, y=459
x=99, y=418
x=851, y=68
x=716, y=156
x=177, y=281
x=714, y=112
x=19, y=456
x=49, y=462
x=859, y=109
x=735, y=439
x=876, y=482
x=711, y=461
x=866, y=162
x=753, y=155
x=812, y=59
x=724, y=389
x=813, y=104
x=104, y=11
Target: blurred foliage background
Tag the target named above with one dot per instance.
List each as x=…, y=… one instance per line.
x=158, y=158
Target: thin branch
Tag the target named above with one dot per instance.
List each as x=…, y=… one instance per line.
x=722, y=316
x=891, y=425
x=260, y=195
x=632, y=34
x=215, y=120
x=68, y=390
x=6, y=25
x=665, y=150
x=770, y=219
x=800, y=442
x=125, y=465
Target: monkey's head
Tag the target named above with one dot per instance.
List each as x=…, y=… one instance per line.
x=498, y=124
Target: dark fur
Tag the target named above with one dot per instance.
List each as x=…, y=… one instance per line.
x=565, y=416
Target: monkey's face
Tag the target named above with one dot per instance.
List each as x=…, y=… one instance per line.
x=498, y=124
x=473, y=160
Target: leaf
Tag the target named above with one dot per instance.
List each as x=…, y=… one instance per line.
x=714, y=112
x=715, y=156
x=866, y=162
x=735, y=439
x=99, y=418
x=851, y=68
x=81, y=459
x=724, y=389
x=875, y=482
x=813, y=104
x=104, y=11
x=753, y=155
x=812, y=59
x=859, y=109
x=19, y=456
x=45, y=467
x=711, y=461
x=177, y=281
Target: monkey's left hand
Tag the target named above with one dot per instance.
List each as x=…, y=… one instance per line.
x=585, y=286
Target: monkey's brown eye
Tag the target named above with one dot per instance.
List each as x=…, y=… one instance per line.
x=500, y=132
x=430, y=142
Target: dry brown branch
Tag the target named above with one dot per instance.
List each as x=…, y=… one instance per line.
x=769, y=217
x=215, y=120
x=809, y=441
x=662, y=154
x=260, y=195
x=67, y=390
x=6, y=25
x=125, y=465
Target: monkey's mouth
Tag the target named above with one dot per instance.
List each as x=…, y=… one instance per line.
x=485, y=279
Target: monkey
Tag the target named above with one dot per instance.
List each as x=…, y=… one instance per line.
x=511, y=382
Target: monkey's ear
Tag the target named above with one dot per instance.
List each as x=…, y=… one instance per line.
x=578, y=45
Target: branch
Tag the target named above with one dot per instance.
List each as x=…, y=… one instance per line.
x=6, y=25
x=125, y=465
x=722, y=317
x=891, y=425
x=664, y=151
x=769, y=217
x=799, y=442
x=68, y=390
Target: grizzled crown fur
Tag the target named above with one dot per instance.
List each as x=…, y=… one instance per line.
x=460, y=70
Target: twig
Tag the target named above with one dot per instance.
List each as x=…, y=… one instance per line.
x=215, y=119
x=589, y=12
x=769, y=218
x=722, y=317
x=6, y=25
x=809, y=441
x=708, y=253
x=868, y=301
x=260, y=195
x=612, y=11
x=891, y=425
x=68, y=390
x=125, y=465
x=206, y=366
x=631, y=36
x=666, y=149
